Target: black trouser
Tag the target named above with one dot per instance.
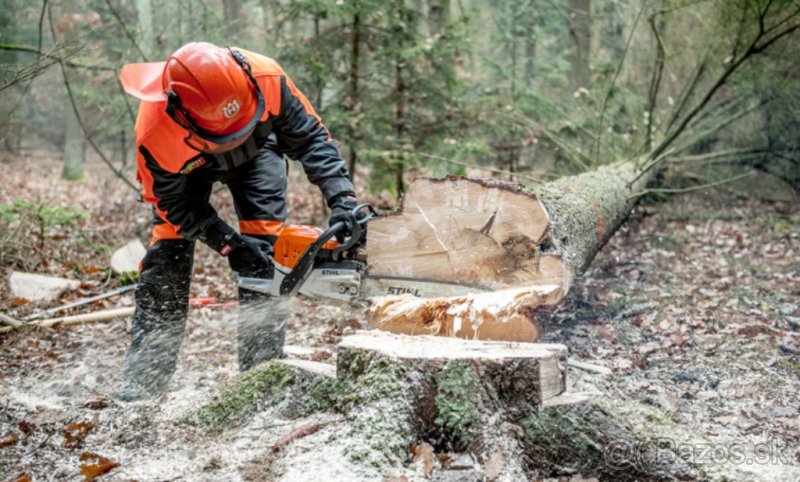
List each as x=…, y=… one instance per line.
x=258, y=188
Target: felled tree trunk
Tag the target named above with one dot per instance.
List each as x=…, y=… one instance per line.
x=523, y=244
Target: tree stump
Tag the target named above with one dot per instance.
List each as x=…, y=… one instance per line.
x=450, y=393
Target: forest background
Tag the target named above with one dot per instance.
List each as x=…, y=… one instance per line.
x=529, y=90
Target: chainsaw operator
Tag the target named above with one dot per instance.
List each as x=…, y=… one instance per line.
x=213, y=114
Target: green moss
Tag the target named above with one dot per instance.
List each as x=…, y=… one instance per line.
x=456, y=410
x=380, y=405
x=322, y=395
x=792, y=367
x=553, y=431
x=237, y=399
x=657, y=417
x=372, y=382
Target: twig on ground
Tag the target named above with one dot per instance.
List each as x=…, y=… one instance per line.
x=12, y=322
x=81, y=302
x=589, y=367
x=103, y=315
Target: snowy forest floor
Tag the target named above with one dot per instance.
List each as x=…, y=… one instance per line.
x=694, y=305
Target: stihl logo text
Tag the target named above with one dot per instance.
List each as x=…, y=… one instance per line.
x=231, y=109
x=397, y=290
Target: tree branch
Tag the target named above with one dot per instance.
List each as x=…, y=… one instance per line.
x=655, y=80
x=124, y=29
x=82, y=124
x=613, y=83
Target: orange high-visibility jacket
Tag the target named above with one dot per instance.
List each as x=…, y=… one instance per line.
x=289, y=125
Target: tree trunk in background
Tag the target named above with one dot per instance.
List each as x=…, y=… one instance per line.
x=231, y=10
x=400, y=98
x=580, y=33
x=438, y=15
x=530, y=44
x=353, y=84
x=74, y=145
x=613, y=29
x=147, y=37
x=525, y=244
x=74, y=137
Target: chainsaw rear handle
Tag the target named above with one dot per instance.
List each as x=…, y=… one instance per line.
x=294, y=280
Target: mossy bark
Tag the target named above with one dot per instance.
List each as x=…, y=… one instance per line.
x=292, y=391
x=587, y=209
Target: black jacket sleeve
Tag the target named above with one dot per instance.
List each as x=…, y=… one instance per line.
x=302, y=137
x=178, y=201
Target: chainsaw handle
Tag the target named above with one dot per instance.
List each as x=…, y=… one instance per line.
x=292, y=282
x=357, y=231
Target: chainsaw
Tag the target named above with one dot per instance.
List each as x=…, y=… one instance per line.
x=311, y=262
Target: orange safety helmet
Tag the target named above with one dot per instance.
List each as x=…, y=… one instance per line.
x=211, y=92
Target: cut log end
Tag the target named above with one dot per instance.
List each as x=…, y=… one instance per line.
x=511, y=315
x=470, y=230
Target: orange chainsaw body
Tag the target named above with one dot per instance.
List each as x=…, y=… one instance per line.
x=293, y=241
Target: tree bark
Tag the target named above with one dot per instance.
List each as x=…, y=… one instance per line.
x=525, y=244
x=353, y=85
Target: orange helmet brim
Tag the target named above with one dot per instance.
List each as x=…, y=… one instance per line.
x=143, y=80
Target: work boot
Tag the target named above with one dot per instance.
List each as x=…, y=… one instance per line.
x=162, y=304
x=262, y=328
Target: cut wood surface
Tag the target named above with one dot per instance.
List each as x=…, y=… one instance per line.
x=497, y=234
x=539, y=367
x=509, y=314
x=465, y=230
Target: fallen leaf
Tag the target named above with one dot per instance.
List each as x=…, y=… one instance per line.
x=23, y=478
x=677, y=339
x=494, y=466
x=75, y=433
x=19, y=301
x=423, y=453
x=98, y=404
x=26, y=427
x=8, y=440
x=92, y=471
x=606, y=332
x=650, y=347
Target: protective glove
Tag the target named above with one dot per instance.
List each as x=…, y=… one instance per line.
x=247, y=255
x=251, y=256
x=342, y=211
